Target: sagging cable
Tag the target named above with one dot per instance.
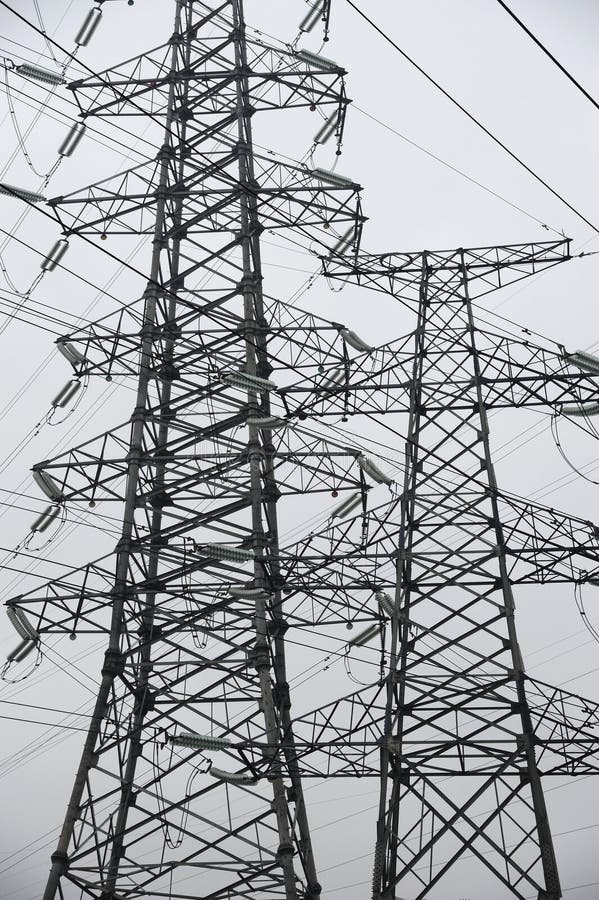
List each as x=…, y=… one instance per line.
x=566, y=459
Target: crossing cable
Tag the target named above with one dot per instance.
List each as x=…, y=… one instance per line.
x=454, y=169
x=488, y=312
x=548, y=53
x=468, y=114
x=91, y=131
x=419, y=69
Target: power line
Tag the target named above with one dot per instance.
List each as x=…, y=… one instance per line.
x=548, y=53
x=470, y=116
x=37, y=722
x=454, y=169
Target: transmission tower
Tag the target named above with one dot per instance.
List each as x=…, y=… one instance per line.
x=191, y=777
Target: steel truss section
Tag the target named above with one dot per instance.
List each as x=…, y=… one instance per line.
x=193, y=767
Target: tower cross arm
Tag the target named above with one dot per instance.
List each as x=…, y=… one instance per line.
x=486, y=269
x=523, y=373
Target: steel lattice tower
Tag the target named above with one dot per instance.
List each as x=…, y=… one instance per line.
x=198, y=597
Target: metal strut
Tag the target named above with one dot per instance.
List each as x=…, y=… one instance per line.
x=274, y=700
x=429, y=703
x=113, y=665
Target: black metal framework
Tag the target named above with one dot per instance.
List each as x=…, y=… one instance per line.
x=198, y=597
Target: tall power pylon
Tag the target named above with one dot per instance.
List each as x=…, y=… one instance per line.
x=191, y=779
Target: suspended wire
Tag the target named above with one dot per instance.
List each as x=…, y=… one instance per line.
x=38, y=13
x=21, y=139
x=581, y=609
x=469, y=115
x=454, y=169
x=290, y=240
x=548, y=53
x=569, y=463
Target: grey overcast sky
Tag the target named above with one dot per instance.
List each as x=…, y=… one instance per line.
x=397, y=125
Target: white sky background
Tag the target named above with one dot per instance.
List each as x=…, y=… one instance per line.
x=478, y=54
